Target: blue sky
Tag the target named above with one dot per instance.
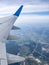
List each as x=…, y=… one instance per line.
x=23, y=1
x=30, y=6
x=34, y=10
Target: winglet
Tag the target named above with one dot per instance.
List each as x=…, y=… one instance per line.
x=17, y=13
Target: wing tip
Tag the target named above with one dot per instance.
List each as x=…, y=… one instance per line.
x=17, y=13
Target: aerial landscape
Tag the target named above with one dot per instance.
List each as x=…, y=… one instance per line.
x=32, y=45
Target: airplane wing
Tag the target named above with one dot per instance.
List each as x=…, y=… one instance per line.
x=6, y=24
x=14, y=58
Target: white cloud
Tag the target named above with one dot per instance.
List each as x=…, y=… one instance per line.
x=9, y=9
x=6, y=9
x=38, y=60
x=36, y=8
x=29, y=19
x=10, y=6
